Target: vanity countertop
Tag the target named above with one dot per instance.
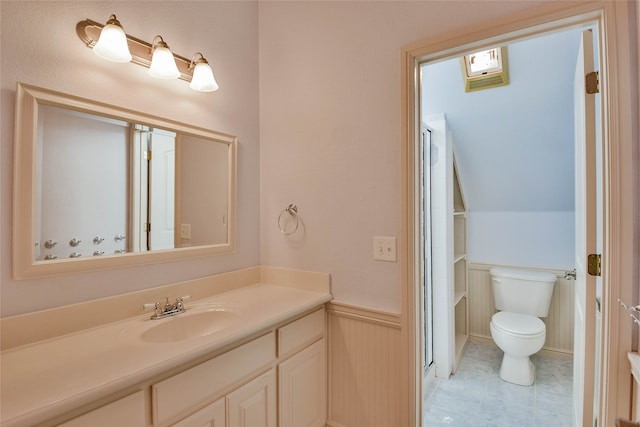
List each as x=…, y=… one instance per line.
x=48, y=378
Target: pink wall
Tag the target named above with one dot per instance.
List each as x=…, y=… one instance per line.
x=330, y=131
x=328, y=98
x=40, y=47
x=204, y=165
x=89, y=156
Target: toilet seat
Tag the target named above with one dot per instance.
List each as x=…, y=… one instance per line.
x=516, y=324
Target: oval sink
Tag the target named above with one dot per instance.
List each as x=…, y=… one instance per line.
x=186, y=325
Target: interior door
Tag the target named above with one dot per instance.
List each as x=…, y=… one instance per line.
x=162, y=190
x=586, y=238
x=138, y=192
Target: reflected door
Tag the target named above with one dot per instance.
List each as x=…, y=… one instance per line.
x=154, y=181
x=162, y=190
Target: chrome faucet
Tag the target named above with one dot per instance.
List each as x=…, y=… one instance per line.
x=168, y=309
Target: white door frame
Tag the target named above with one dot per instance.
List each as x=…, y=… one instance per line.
x=619, y=205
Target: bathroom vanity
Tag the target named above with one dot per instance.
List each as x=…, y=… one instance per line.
x=253, y=356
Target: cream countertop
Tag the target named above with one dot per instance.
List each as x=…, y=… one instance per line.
x=48, y=378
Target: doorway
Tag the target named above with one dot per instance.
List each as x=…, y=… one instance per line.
x=425, y=334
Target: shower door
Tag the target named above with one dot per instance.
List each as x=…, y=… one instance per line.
x=425, y=248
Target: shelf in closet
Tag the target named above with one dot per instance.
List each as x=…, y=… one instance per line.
x=460, y=286
x=458, y=296
x=461, y=340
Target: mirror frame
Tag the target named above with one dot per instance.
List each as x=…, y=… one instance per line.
x=28, y=98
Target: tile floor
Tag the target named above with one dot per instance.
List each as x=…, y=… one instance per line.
x=476, y=397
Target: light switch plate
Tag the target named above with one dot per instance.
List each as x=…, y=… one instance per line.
x=384, y=248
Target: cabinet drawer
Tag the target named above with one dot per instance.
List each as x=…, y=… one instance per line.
x=193, y=386
x=128, y=411
x=301, y=333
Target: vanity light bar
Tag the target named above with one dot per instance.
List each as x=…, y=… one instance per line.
x=141, y=52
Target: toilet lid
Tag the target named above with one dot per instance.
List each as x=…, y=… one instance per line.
x=516, y=323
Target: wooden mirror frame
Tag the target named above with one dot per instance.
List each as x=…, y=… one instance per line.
x=28, y=98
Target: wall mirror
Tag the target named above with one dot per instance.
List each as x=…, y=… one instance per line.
x=98, y=186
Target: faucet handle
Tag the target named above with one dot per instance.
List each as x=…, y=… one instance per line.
x=153, y=306
x=180, y=301
x=149, y=306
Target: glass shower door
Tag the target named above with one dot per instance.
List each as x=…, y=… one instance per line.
x=425, y=247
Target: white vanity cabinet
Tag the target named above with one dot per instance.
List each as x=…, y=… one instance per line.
x=253, y=404
x=180, y=395
x=302, y=372
x=264, y=368
x=280, y=375
x=213, y=415
x=302, y=388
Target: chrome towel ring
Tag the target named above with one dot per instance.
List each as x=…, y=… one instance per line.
x=292, y=210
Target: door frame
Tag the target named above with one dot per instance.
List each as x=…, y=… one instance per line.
x=619, y=251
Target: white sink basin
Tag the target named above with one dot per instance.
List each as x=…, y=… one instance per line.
x=188, y=325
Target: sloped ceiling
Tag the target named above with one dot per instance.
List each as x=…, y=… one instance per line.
x=513, y=144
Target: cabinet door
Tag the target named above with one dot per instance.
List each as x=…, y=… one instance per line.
x=254, y=404
x=302, y=381
x=212, y=415
x=126, y=412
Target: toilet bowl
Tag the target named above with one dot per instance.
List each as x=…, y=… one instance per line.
x=522, y=296
x=518, y=336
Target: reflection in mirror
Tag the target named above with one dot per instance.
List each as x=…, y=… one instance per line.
x=100, y=186
x=81, y=183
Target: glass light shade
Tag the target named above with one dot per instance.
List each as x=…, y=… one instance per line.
x=163, y=65
x=203, y=79
x=112, y=44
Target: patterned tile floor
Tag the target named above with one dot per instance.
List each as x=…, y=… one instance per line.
x=476, y=397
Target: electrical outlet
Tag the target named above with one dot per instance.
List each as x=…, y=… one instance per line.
x=185, y=231
x=384, y=248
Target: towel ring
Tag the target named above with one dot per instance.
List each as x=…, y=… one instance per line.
x=293, y=211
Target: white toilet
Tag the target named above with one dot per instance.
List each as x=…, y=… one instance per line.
x=522, y=296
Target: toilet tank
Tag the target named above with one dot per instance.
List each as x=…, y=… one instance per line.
x=522, y=291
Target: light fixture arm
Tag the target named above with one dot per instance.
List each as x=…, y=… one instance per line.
x=193, y=62
x=158, y=41
x=89, y=32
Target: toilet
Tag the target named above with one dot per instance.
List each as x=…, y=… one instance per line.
x=522, y=296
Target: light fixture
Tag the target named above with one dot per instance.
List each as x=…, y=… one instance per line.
x=197, y=71
x=485, y=69
x=163, y=65
x=203, y=79
x=112, y=44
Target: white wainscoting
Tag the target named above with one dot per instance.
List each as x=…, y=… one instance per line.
x=364, y=359
x=559, y=323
